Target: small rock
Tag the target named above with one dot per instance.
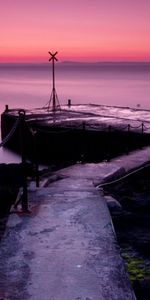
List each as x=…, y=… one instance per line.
x=113, y=204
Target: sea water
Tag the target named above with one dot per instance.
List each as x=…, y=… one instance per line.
x=30, y=85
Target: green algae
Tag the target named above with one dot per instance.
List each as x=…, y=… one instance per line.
x=136, y=268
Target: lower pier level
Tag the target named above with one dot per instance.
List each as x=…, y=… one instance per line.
x=90, y=133
x=66, y=247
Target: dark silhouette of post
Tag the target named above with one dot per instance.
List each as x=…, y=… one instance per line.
x=36, y=159
x=53, y=102
x=23, y=158
x=69, y=103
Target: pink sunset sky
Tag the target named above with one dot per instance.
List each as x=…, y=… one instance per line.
x=88, y=30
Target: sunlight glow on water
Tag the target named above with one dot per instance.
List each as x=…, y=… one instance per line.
x=30, y=86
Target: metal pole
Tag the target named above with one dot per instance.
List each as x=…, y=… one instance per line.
x=109, y=143
x=53, y=73
x=53, y=102
x=83, y=142
x=53, y=95
x=83, y=124
x=53, y=70
x=142, y=137
x=128, y=139
x=36, y=160
x=142, y=128
x=22, y=143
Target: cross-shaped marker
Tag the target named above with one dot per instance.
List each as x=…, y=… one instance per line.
x=53, y=56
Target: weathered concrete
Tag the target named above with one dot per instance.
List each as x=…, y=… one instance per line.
x=96, y=133
x=127, y=163
x=66, y=248
x=106, y=171
x=91, y=114
x=133, y=160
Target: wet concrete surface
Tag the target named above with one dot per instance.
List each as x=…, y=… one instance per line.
x=93, y=115
x=66, y=247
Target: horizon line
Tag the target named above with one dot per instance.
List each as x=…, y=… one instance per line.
x=78, y=62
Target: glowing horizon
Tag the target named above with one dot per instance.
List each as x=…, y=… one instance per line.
x=86, y=30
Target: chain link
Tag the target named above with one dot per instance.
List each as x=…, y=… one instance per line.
x=9, y=135
x=136, y=127
x=146, y=127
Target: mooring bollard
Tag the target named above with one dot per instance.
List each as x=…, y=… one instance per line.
x=69, y=102
x=6, y=108
x=24, y=202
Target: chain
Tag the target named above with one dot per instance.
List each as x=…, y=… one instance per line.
x=9, y=135
x=136, y=127
x=146, y=127
x=123, y=177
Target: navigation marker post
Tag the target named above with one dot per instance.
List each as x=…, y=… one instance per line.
x=53, y=103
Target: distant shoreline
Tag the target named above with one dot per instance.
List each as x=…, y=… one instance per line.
x=78, y=63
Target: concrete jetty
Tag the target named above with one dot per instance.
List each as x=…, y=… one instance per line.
x=66, y=247
x=95, y=116
x=97, y=132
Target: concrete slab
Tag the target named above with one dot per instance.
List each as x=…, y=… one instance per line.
x=104, y=171
x=93, y=115
x=134, y=159
x=66, y=249
x=95, y=172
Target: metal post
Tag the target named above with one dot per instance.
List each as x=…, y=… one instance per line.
x=109, y=128
x=83, y=124
x=128, y=140
x=69, y=102
x=54, y=101
x=142, y=137
x=36, y=160
x=83, y=143
x=108, y=145
x=53, y=97
x=142, y=128
x=6, y=108
x=22, y=144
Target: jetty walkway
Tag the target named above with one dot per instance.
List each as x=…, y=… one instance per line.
x=66, y=247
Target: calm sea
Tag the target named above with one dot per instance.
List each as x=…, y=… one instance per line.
x=29, y=85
